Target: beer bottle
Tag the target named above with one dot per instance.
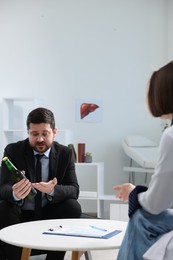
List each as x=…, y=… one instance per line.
x=17, y=175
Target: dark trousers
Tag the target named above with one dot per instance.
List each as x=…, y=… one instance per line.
x=12, y=214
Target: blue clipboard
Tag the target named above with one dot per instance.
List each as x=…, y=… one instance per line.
x=80, y=231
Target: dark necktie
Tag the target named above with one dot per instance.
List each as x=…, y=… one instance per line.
x=38, y=178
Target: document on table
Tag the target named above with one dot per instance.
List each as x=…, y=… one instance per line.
x=82, y=231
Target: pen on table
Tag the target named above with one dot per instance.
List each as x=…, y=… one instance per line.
x=51, y=229
x=98, y=228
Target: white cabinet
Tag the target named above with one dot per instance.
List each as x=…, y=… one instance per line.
x=119, y=212
x=64, y=136
x=15, y=111
x=91, y=181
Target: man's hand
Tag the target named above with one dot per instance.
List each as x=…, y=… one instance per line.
x=123, y=191
x=22, y=188
x=45, y=187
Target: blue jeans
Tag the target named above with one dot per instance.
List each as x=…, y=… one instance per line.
x=143, y=230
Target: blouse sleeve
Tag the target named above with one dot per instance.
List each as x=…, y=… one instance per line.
x=133, y=199
x=159, y=195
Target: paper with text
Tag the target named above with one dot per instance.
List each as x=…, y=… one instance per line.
x=82, y=231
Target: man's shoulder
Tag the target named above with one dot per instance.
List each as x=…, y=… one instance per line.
x=60, y=147
x=17, y=145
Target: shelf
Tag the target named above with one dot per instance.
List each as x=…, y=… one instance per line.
x=108, y=197
x=88, y=194
x=89, y=164
x=14, y=130
x=98, y=193
x=16, y=99
x=15, y=111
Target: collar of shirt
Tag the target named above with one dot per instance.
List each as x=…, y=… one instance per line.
x=45, y=153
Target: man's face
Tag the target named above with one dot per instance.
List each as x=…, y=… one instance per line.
x=41, y=136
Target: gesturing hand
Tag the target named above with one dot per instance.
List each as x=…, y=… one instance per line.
x=123, y=191
x=45, y=187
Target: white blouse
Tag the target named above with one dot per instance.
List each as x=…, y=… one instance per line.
x=159, y=195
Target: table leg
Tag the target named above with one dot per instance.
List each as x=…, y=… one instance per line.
x=76, y=255
x=26, y=253
x=88, y=255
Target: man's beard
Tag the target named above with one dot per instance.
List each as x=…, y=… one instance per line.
x=40, y=147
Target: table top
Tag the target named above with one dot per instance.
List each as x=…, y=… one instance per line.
x=30, y=235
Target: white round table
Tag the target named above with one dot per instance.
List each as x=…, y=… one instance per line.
x=29, y=235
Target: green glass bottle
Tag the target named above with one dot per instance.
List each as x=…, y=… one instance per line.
x=17, y=175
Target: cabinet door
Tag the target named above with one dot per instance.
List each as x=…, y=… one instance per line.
x=15, y=111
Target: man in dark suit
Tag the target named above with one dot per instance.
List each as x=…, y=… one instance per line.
x=58, y=186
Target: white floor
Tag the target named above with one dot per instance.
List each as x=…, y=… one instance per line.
x=96, y=255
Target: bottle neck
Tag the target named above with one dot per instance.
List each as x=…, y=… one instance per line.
x=10, y=166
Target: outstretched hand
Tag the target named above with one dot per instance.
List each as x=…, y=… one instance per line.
x=123, y=191
x=45, y=187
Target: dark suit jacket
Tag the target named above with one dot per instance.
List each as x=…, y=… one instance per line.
x=61, y=166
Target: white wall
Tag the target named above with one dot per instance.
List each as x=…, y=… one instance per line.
x=60, y=51
x=170, y=35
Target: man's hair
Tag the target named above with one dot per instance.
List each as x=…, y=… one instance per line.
x=160, y=91
x=40, y=115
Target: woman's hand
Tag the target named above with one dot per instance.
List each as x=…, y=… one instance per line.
x=123, y=191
